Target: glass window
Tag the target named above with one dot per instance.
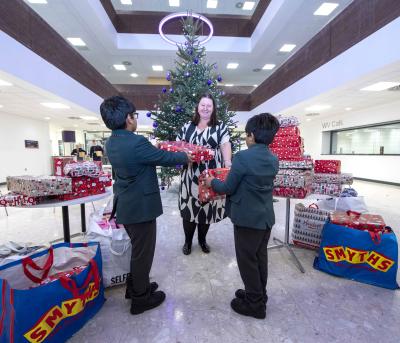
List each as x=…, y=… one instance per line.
x=372, y=140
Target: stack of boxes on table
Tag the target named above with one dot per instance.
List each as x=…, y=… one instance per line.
x=328, y=179
x=76, y=180
x=294, y=177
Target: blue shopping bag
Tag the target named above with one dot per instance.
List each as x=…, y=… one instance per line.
x=38, y=307
x=352, y=254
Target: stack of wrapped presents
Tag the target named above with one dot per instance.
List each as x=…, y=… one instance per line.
x=294, y=177
x=199, y=153
x=328, y=178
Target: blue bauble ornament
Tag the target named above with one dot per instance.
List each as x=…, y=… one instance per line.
x=178, y=108
x=196, y=60
x=155, y=124
x=178, y=166
x=171, y=90
x=222, y=93
x=209, y=82
x=191, y=52
x=215, y=66
x=168, y=77
x=148, y=114
x=219, y=78
x=162, y=188
x=164, y=90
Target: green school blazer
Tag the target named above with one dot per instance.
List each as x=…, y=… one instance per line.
x=249, y=187
x=136, y=190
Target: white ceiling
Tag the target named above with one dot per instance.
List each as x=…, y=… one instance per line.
x=230, y=7
x=294, y=23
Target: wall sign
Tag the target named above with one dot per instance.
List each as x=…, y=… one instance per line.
x=29, y=144
x=332, y=124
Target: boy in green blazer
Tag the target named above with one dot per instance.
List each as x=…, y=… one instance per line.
x=249, y=205
x=137, y=201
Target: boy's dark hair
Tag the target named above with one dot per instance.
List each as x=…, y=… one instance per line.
x=263, y=126
x=114, y=111
x=213, y=119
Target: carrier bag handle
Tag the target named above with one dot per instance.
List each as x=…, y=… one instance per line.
x=314, y=205
x=28, y=262
x=70, y=284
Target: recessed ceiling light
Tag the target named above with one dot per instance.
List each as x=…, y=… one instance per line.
x=174, y=3
x=88, y=118
x=255, y=85
x=229, y=85
x=380, y=86
x=47, y=118
x=248, y=5
x=348, y=108
x=326, y=8
x=269, y=66
x=317, y=108
x=75, y=125
x=308, y=119
x=134, y=75
x=119, y=67
x=38, y=1
x=232, y=65
x=287, y=47
x=212, y=3
x=5, y=83
x=1, y=106
x=54, y=105
x=76, y=41
x=157, y=68
x=126, y=2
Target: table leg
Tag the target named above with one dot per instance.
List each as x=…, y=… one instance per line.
x=285, y=243
x=83, y=218
x=65, y=217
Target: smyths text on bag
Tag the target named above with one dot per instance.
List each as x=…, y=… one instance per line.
x=356, y=256
x=48, y=322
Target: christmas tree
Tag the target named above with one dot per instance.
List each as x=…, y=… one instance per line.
x=192, y=77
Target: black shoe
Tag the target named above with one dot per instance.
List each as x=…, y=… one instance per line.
x=245, y=308
x=187, y=249
x=154, y=300
x=241, y=294
x=153, y=288
x=205, y=247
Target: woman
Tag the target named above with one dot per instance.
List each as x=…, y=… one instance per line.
x=204, y=130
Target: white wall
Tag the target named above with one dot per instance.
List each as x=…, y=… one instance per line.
x=382, y=168
x=15, y=158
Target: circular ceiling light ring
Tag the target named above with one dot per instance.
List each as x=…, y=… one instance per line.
x=180, y=15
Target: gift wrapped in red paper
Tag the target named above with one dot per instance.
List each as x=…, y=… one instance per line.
x=304, y=163
x=78, y=169
x=355, y=220
x=15, y=199
x=327, y=188
x=200, y=153
x=290, y=192
x=207, y=193
x=327, y=166
x=59, y=163
x=287, y=142
x=288, y=131
x=289, y=154
x=106, y=179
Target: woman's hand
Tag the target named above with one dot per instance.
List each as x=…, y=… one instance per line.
x=208, y=180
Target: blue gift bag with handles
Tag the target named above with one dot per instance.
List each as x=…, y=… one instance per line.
x=353, y=254
x=43, y=300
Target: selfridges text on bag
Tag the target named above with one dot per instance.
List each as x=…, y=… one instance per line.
x=115, y=247
x=307, y=225
x=353, y=254
x=50, y=295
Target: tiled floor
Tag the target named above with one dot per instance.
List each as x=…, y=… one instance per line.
x=310, y=307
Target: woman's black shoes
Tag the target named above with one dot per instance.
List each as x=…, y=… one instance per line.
x=205, y=247
x=187, y=249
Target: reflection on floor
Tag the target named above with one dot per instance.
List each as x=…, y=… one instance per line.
x=310, y=307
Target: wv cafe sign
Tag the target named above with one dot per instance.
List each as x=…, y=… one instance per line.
x=332, y=124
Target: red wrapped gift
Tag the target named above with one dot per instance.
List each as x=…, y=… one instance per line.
x=288, y=131
x=287, y=142
x=200, y=153
x=327, y=166
x=207, y=193
x=68, y=274
x=289, y=192
x=14, y=199
x=106, y=179
x=59, y=163
x=290, y=154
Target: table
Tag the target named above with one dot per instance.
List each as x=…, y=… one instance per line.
x=285, y=243
x=65, y=215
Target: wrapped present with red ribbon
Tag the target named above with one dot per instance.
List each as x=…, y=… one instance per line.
x=327, y=166
x=288, y=131
x=59, y=163
x=288, y=154
x=15, y=200
x=287, y=142
x=200, y=153
x=36, y=186
x=207, y=194
x=291, y=192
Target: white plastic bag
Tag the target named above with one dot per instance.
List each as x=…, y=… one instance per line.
x=115, y=248
x=344, y=204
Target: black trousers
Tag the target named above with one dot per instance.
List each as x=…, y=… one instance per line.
x=252, y=258
x=190, y=227
x=143, y=240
